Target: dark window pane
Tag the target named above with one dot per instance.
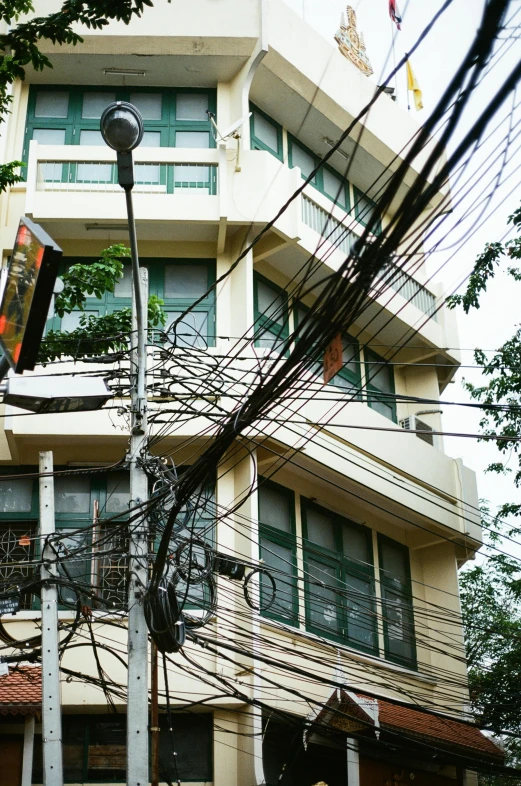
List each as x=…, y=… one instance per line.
x=73, y=566
x=118, y=492
x=360, y=611
x=16, y=495
x=17, y=549
x=399, y=625
x=72, y=494
x=394, y=561
x=282, y=561
x=185, y=281
x=275, y=508
x=323, y=601
x=191, y=740
x=73, y=733
x=106, y=755
x=302, y=159
x=357, y=545
x=271, y=303
x=266, y=132
x=320, y=528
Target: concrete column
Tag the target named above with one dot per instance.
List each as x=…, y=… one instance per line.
x=27, y=763
x=353, y=763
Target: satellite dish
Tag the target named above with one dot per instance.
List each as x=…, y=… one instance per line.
x=231, y=131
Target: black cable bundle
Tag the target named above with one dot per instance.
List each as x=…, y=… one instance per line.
x=164, y=617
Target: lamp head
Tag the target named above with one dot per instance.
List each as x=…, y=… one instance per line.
x=121, y=126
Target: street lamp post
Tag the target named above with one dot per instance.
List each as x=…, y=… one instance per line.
x=122, y=129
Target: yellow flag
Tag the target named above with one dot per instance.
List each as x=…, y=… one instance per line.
x=412, y=84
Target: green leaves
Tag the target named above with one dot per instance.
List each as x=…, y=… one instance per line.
x=96, y=335
x=20, y=45
x=82, y=281
x=484, y=270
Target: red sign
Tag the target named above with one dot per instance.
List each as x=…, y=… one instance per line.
x=333, y=361
x=27, y=295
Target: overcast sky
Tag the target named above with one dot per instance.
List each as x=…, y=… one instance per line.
x=434, y=64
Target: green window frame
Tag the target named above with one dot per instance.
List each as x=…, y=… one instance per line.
x=350, y=376
x=167, y=128
x=397, y=602
x=200, y=519
x=380, y=385
x=339, y=586
x=271, y=327
x=327, y=180
x=75, y=525
x=364, y=208
x=257, y=120
x=278, y=551
x=198, y=325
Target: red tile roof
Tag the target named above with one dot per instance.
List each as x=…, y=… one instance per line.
x=408, y=723
x=436, y=728
x=21, y=691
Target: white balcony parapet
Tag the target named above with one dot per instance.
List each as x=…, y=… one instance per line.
x=76, y=168
x=339, y=234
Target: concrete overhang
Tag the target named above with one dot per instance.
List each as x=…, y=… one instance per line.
x=205, y=42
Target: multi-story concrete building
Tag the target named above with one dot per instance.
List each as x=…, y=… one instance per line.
x=357, y=510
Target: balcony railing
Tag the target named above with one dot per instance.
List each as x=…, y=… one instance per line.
x=150, y=177
x=338, y=234
x=82, y=169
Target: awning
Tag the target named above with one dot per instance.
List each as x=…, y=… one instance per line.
x=387, y=723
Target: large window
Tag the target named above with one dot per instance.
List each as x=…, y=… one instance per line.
x=349, y=377
x=395, y=582
x=94, y=749
x=91, y=543
x=179, y=283
x=326, y=180
x=339, y=577
x=277, y=548
x=172, y=118
x=380, y=385
x=364, y=209
x=266, y=134
x=340, y=588
x=271, y=314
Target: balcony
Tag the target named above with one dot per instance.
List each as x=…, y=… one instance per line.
x=71, y=189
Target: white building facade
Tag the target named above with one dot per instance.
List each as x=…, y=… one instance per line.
x=356, y=509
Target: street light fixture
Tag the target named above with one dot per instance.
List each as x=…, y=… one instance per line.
x=45, y=394
x=121, y=127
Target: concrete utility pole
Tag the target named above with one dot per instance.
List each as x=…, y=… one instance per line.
x=51, y=714
x=122, y=129
x=137, y=698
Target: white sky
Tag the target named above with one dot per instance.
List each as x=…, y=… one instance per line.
x=434, y=64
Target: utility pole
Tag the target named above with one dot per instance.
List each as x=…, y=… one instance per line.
x=121, y=127
x=137, y=698
x=51, y=714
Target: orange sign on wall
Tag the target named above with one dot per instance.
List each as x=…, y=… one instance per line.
x=333, y=358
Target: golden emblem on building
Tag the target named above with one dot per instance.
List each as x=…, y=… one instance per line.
x=351, y=43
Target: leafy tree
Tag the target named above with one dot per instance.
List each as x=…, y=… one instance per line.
x=100, y=335
x=491, y=590
x=490, y=599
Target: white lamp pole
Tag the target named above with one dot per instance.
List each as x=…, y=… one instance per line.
x=122, y=129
